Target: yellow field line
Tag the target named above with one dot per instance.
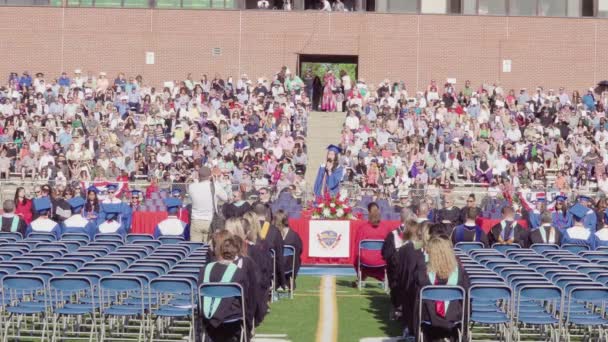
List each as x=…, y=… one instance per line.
x=327, y=325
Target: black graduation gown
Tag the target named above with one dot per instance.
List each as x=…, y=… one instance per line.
x=468, y=235
x=61, y=210
x=228, y=308
x=275, y=241
x=253, y=289
x=231, y=210
x=452, y=214
x=536, y=237
x=7, y=223
x=520, y=236
x=463, y=213
x=259, y=254
x=390, y=256
x=441, y=327
x=293, y=239
x=409, y=259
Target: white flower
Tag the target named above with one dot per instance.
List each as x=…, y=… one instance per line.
x=339, y=213
x=326, y=212
x=332, y=205
x=321, y=205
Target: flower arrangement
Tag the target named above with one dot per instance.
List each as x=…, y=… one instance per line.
x=331, y=208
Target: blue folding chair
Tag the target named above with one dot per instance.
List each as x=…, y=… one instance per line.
x=28, y=297
x=290, y=252
x=113, y=292
x=66, y=293
x=490, y=304
x=541, y=247
x=139, y=237
x=575, y=249
x=214, y=291
x=440, y=293
x=109, y=237
x=12, y=236
x=468, y=246
x=375, y=246
x=177, y=299
x=593, y=321
x=81, y=237
x=170, y=240
x=532, y=301
x=38, y=236
x=503, y=248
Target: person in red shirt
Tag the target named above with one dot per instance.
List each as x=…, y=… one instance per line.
x=23, y=205
x=373, y=229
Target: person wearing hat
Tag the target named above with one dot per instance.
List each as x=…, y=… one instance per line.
x=92, y=205
x=561, y=218
x=533, y=216
x=172, y=225
x=136, y=199
x=111, y=198
x=579, y=234
x=111, y=224
x=546, y=232
x=78, y=223
x=508, y=231
x=590, y=218
x=330, y=174
x=43, y=224
x=10, y=221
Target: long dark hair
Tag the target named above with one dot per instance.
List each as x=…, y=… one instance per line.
x=17, y=196
x=88, y=207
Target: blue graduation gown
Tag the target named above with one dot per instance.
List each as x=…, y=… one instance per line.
x=458, y=232
x=111, y=227
x=171, y=226
x=79, y=224
x=332, y=182
x=125, y=216
x=534, y=219
x=590, y=220
x=44, y=225
x=560, y=221
x=493, y=208
x=601, y=238
x=570, y=237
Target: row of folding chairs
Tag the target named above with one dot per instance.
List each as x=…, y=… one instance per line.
x=109, y=277
x=553, y=290
x=7, y=237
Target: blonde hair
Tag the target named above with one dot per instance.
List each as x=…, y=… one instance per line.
x=235, y=226
x=424, y=232
x=442, y=260
x=252, y=226
x=412, y=231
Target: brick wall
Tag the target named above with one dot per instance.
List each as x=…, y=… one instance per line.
x=544, y=51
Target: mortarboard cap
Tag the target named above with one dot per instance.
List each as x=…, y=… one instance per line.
x=76, y=203
x=92, y=188
x=111, y=187
x=176, y=192
x=561, y=198
x=42, y=204
x=584, y=198
x=111, y=210
x=334, y=148
x=172, y=204
x=578, y=211
x=135, y=193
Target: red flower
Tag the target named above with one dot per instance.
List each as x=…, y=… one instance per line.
x=318, y=210
x=346, y=210
x=359, y=215
x=327, y=196
x=338, y=196
x=333, y=210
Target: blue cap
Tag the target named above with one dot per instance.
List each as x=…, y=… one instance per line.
x=584, y=198
x=111, y=210
x=42, y=204
x=578, y=211
x=136, y=193
x=176, y=192
x=76, y=203
x=334, y=148
x=561, y=198
x=172, y=204
x=111, y=187
x=92, y=188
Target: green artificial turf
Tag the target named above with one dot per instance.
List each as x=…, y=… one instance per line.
x=297, y=317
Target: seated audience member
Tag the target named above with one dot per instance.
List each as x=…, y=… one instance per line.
x=111, y=195
x=92, y=206
x=470, y=231
x=290, y=238
x=450, y=214
x=546, y=233
x=43, y=224
x=111, y=224
x=441, y=318
x=508, y=231
x=23, y=205
x=78, y=223
x=373, y=229
x=271, y=238
x=221, y=316
x=406, y=233
x=578, y=234
x=171, y=226
x=10, y=221
x=471, y=203
x=561, y=217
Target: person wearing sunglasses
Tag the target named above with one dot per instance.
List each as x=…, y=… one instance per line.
x=111, y=195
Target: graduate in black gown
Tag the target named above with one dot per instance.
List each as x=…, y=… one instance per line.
x=218, y=314
x=508, y=231
x=290, y=238
x=449, y=214
x=10, y=222
x=258, y=252
x=469, y=231
x=442, y=268
x=405, y=234
x=237, y=207
x=273, y=241
x=546, y=233
x=471, y=203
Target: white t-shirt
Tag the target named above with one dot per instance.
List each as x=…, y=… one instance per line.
x=202, y=201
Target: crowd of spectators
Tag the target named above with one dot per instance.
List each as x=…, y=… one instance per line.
x=507, y=139
x=82, y=127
